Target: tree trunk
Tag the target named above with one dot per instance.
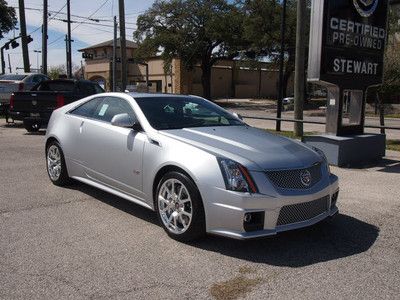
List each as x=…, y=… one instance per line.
x=206, y=79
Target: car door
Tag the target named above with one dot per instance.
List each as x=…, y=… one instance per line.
x=75, y=147
x=112, y=155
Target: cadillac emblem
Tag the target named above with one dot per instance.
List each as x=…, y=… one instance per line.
x=34, y=102
x=305, y=178
x=365, y=7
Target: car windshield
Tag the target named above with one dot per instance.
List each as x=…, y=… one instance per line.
x=184, y=112
x=12, y=77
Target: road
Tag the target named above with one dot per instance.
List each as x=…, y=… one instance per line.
x=79, y=243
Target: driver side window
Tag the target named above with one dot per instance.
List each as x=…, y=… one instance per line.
x=112, y=106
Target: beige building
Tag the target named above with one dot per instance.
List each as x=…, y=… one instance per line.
x=229, y=79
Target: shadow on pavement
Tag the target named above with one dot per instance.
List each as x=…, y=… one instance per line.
x=40, y=132
x=389, y=166
x=383, y=165
x=117, y=202
x=341, y=237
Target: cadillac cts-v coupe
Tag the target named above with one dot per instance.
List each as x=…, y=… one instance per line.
x=201, y=168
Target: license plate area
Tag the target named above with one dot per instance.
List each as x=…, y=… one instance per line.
x=36, y=115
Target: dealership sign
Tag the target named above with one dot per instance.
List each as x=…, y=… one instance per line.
x=347, y=41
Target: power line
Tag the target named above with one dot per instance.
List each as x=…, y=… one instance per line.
x=90, y=23
x=61, y=36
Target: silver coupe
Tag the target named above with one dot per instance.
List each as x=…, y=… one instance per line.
x=200, y=167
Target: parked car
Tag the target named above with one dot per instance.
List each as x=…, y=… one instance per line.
x=288, y=100
x=10, y=83
x=198, y=166
x=35, y=107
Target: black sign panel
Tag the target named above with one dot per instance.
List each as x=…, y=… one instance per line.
x=347, y=42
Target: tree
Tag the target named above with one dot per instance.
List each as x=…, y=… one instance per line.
x=196, y=31
x=54, y=72
x=8, y=18
x=262, y=32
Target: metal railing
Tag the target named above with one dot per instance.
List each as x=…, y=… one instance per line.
x=313, y=122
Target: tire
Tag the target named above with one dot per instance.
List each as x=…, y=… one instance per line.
x=55, y=165
x=32, y=126
x=179, y=207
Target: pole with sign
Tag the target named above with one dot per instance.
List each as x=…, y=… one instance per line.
x=347, y=43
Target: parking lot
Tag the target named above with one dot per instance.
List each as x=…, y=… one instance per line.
x=79, y=242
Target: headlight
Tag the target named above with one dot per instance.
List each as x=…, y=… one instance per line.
x=322, y=154
x=236, y=177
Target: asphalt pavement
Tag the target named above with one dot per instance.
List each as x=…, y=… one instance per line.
x=79, y=242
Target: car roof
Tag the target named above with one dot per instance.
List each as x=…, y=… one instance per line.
x=157, y=95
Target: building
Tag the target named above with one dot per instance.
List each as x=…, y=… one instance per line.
x=229, y=79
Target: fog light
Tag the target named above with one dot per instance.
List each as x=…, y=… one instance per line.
x=253, y=221
x=247, y=217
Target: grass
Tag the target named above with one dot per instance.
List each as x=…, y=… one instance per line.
x=393, y=145
x=397, y=115
x=394, y=115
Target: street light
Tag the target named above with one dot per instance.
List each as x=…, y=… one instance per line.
x=37, y=58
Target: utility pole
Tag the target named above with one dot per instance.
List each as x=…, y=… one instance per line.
x=24, y=41
x=122, y=38
x=69, y=58
x=299, y=73
x=82, y=71
x=37, y=58
x=281, y=66
x=44, y=38
x=9, y=63
x=114, y=57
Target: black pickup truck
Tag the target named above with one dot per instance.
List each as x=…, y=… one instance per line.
x=34, y=108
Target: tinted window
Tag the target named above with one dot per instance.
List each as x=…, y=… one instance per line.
x=36, y=78
x=112, y=106
x=87, y=109
x=98, y=89
x=12, y=77
x=184, y=112
x=56, y=86
x=86, y=88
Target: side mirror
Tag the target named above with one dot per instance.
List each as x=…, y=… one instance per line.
x=238, y=116
x=124, y=120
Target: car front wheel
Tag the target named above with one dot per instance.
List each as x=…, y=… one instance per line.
x=56, y=167
x=179, y=207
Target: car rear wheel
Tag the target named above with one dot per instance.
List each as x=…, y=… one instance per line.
x=32, y=126
x=56, y=167
x=179, y=207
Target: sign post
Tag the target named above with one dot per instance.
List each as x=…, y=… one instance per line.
x=347, y=43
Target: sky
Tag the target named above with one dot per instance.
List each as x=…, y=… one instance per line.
x=83, y=34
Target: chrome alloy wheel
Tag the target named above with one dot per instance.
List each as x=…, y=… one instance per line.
x=175, y=206
x=54, y=162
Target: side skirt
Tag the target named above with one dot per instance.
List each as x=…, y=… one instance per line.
x=112, y=191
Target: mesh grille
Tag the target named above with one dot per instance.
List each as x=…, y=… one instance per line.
x=295, y=213
x=291, y=179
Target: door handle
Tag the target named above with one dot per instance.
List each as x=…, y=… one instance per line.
x=81, y=127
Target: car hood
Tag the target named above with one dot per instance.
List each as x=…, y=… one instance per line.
x=254, y=148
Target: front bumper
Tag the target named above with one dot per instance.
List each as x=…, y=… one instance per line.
x=225, y=216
